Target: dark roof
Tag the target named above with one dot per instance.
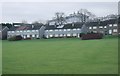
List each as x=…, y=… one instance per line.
x=25, y=27
x=66, y=26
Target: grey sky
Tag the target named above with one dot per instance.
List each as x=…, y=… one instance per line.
x=34, y=11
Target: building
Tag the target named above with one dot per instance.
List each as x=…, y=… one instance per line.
x=27, y=31
x=3, y=32
x=72, y=18
x=107, y=27
x=67, y=30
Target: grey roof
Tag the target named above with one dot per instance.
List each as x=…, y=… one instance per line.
x=66, y=26
x=25, y=27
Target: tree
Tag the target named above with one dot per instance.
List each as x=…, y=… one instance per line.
x=60, y=19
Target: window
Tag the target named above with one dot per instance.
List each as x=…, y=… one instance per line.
x=36, y=30
x=105, y=27
x=115, y=30
x=74, y=29
x=78, y=29
x=37, y=36
x=20, y=31
x=94, y=27
x=90, y=27
x=100, y=26
x=33, y=35
x=68, y=29
x=17, y=31
x=50, y=30
x=56, y=35
x=115, y=25
x=28, y=35
x=13, y=31
x=64, y=29
x=56, y=30
x=33, y=30
x=61, y=35
x=51, y=35
x=110, y=25
x=110, y=31
x=9, y=31
x=60, y=30
x=74, y=34
x=68, y=34
x=28, y=30
x=0, y=31
x=24, y=31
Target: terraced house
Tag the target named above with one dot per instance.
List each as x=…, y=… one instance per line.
x=68, y=30
x=27, y=31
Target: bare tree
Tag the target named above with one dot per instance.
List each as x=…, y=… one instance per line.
x=60, y=18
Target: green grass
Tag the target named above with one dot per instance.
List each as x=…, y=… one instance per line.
x=61, y=56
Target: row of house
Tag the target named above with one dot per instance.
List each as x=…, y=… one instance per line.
x=27, y=31
x=70, y=29
x=109, y=27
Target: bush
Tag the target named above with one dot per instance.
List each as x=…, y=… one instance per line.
x=92, y=36
x=15, y=38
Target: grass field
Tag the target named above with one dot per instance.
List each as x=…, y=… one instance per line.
x=61, y=56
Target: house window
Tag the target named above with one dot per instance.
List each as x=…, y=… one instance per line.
x=28, y=30
x=33, y=30
x=68, y=34
x=33, y=35
x=20, y=31
x=64, y=29
x=61, y=35
x=115, y=25
x=78, y=29
x=105, y=27
x=60, y=30
x=56, y=35
x=68, y=29
x=9, y=31
x=24, y=31
x=94, y=27
x=51, y=35
x=37, y=36
x=115, y=30
x=74, y=34
x=90, y=27
x=28, y=35
x=100, y=26
x=50, y=30
x=17, y=31
x=74, y=29
x=110, y=31
x=56, y=30
x=13, y=31
x=110, y=25
x=36, y=30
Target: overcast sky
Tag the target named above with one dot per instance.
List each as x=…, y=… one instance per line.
x=34, y=11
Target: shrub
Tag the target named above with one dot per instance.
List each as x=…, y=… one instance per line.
x=92, y=36
x=15, y=38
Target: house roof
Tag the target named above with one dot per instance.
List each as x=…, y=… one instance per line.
x=25, y=27
x=2, y=27
x=66, y=26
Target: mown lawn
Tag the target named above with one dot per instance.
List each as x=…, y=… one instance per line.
x=61, y=56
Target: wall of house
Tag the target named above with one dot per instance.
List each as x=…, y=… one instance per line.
x=109, y=29
x=25, y=33
x=62, y=33
x=41, y=31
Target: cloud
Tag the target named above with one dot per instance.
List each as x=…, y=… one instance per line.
x=33, y=11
